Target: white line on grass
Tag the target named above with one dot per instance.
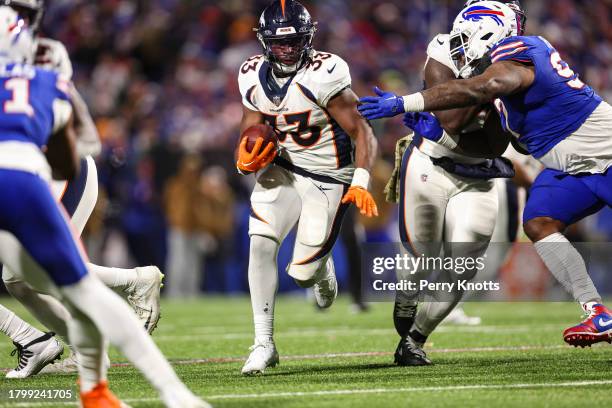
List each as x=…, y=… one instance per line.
x=300, y=357
x=323, y=393
x=347, y=331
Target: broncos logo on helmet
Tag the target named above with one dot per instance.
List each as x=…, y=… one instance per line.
x=286, y=31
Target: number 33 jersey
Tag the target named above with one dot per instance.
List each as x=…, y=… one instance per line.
x=296, y=108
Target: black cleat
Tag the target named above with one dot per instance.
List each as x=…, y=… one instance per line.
x=408, y=353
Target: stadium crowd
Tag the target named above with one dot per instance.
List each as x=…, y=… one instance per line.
x=160, y=79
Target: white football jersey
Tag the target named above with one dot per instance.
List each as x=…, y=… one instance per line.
x=438, y=49
x=309, y=137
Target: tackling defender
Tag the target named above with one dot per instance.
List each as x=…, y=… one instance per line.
x=326, y=151
x=558, y=119
x=140, y=286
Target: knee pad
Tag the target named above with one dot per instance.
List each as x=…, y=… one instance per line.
x=314, y=225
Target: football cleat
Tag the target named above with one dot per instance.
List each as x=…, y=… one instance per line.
x=597, y=327
x=35, y=355
x=326, y=289
x=68, y=365
x=263, y=355
x=458, y=317
x=409, y=353
x=101, y=397
x=144, y=296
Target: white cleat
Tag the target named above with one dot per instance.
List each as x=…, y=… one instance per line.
x=68, y=365
x=458, y=317
x=35, y=355
x=183, y=398
x=144, y=296
x=326, y=289
x=263, y=355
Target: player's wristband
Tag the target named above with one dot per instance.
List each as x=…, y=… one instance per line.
x=361, y=178
x=448, y=141
x=414, y=102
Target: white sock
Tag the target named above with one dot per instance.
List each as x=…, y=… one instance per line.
x=90, y=349
x=568, y=267
x=263, y=284
x=46, y=309
x=118, y=323
x=16, y=329
x=116, y=278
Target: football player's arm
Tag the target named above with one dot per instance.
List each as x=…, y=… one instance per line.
x=452, y=120
x=260, y=156
x=500, y=79
x=61, y=152
x=343, y=108
x=88, y=139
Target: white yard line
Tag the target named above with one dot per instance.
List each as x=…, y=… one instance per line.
x=350, y=331
x=321, y=356
x=219, y=360
x=323, y=393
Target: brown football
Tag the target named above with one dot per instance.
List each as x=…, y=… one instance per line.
x=255, y=132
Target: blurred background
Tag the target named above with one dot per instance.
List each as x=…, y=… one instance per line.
x=160, y=79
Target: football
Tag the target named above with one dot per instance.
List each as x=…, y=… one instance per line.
x=255, y=132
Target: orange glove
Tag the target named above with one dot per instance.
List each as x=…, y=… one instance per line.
x=363, y=200
x=257, y=159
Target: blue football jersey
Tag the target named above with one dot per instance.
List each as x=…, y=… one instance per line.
x=556, y=104
x=27, y=95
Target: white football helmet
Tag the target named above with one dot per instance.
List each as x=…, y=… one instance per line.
x=16, y=39
x=476, y=30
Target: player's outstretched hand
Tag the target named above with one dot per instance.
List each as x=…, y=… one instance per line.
x=257, y=158
x=362, y=199
x=385, y=105
x=425, y=124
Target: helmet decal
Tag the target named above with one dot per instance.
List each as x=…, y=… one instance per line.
x=477, y=13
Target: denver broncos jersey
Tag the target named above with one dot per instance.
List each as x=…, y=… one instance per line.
x=555, y=106
x=35, y=104
x=309, y=137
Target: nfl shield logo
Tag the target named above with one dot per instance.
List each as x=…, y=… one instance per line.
x=424, y=178
x=277, y=100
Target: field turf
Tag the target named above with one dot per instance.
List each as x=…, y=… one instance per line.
x=339, y=359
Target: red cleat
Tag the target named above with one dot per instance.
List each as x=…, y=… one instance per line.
x=596, y=328
x=100, y=397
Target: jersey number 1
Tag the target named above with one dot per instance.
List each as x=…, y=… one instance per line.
x=20, y=101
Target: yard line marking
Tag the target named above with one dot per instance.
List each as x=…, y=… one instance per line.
x=220, y=360
x=350, y=331
x=365, y=391
x=299, y=357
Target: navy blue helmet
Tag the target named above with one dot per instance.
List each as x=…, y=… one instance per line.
x=286, y=31
x=515, y=5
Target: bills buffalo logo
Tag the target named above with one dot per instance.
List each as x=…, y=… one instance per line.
x=477, y=13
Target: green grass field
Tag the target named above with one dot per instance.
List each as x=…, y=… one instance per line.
x=339, y=359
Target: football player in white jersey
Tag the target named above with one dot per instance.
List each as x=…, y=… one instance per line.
x=326, y=151
x=140, y=286
x=440, y=204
